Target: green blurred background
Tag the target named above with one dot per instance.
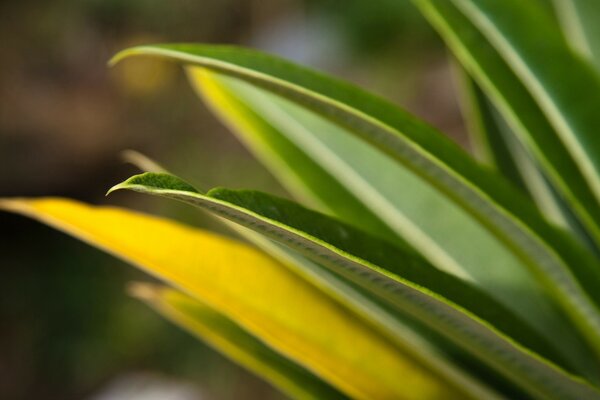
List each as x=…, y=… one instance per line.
x=67, y=328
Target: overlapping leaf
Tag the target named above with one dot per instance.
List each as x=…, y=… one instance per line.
x=405, y=203
x=402, y=330
x=261, y=295
x=497, y=145
x=312, y=183
x=560, y=264
x=580, y=20
x=232, y=340
x=523, y=107
x=567, y=91
x=340, y=248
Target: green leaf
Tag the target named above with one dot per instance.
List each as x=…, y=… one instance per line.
x=580, y=20
x=287, y=222
x=399, y=328
x=497, y=146
x=556, y=102
x=239, y=345
x=562, y=266
x=421, y=214
x=488, y=141
x=311, y=183
x=258, y=293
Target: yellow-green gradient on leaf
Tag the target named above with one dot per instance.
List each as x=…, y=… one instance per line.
x=255, y=291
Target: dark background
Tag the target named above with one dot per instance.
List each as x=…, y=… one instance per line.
x=67, y=328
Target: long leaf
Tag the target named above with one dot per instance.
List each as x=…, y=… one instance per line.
x=567, y=91
x=512, y=98
x=311, y=183
x=408, y=205
x=402, y=330
x=261, y=295
x=580, y=20
x=497, y=146
x=232, y=340
x=269, y=216
x=488, y=142
x=553, y=258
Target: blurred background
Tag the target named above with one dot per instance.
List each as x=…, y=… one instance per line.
x=67, y=328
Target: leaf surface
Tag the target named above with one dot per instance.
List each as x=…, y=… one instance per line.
x=271, y=216
x=560, y=264
x=409, y=206
x=260, y=294
x=528, y=120
x=580, y=20
x=497, y=145
x=312, y=183
x=235, y=342
x=501, y=45
x=397, y=327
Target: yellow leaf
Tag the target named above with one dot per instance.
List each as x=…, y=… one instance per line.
x=229, y=338
x=257, y=292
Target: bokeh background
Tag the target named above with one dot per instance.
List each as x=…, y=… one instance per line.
x=68, y=330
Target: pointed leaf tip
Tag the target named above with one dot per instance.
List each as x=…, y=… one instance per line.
x=146, y=292
x=119, y=186
x=114, y=60
x=154, y=181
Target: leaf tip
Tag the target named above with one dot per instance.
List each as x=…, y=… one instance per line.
x=119, y=186
x=125, y=53
x=141, y=161
x=146, y=292
x=17, y=205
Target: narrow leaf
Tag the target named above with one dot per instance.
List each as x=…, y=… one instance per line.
x=516, y=104
x=312, y=183
x=459, y=367
x=270, y=216
x=233, y=341
x=580, y=20
x=409, y=206
x=552, y=257
x=567, y=91
x=261, y=295
x=498, y=146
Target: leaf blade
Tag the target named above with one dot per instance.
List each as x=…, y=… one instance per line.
x=413, y=210
x=236, y=343
x=580, y=21
x=429, y=309
x=559, y=263
x=274, y=316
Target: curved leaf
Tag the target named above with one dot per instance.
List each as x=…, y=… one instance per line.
x=407, y=205
x=236, y=343
x=580, y=20
x=399, y=328
x=497, y=146
x=311, y=183
x=553, y=258
x=257, y=292
x=568, y=91
x=270, y=217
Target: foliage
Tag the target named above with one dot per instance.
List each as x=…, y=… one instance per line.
x=414, y=260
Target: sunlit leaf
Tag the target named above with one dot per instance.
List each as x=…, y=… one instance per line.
x=409, y=206
x=528, y=120
x=556, y=260
x=261, y=295
x=351, y=253
x=232, y=340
